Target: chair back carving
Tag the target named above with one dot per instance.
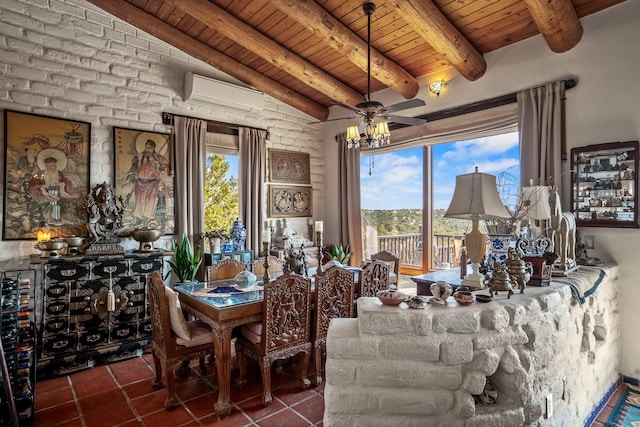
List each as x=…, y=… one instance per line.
x=375, y=277
x=159, y=311
x=275, y=265
x=389, y=258
x=224, y=269
x=334, y=298
x=286, y=314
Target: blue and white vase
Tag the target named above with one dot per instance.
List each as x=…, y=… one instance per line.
x=238, y=235
x=499, y=245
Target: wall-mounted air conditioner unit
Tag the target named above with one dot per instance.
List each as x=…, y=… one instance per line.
x=205, y=91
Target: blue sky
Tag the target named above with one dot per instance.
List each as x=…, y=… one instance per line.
x=396, y=179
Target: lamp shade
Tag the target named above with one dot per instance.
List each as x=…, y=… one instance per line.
x=534, y=202
x=476, y=197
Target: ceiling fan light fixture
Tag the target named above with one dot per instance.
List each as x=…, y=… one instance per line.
x=438, y=86
x=353, y=136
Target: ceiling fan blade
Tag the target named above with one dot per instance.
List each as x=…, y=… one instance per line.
x=406, y=120
x=405, y=105
x=349, y=107
x=333, y=120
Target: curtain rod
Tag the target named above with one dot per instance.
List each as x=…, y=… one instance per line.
x=215, y=126
x=477, y=106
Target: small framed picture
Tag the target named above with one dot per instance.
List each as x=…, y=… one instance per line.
x=290, y=201
x=46, y=176
x=291, y=167
x=144, y=177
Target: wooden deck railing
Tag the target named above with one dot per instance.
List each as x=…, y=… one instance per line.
x=408, y=247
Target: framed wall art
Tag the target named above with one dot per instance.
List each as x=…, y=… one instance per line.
x=291, y=167
x=46, y=175
x=144, y=177
x=287, y=201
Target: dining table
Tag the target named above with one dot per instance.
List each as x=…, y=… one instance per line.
x=223, y=305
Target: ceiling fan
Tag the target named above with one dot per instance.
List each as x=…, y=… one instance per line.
x=372, y=111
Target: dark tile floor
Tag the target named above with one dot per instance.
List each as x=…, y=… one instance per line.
x=120, y=394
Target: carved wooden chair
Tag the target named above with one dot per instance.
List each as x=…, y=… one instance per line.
x=174, y=339
x=374, y=278
x=283, y=332
x=394, y=265
x=334, y=298
x=224, y=269
x=275, y=265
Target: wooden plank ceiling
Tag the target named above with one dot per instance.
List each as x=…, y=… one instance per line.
x=313, y=54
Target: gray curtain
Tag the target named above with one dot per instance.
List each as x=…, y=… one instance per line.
x=253, y=156
x=349, y=199
x=190, y=136
x=540, y=121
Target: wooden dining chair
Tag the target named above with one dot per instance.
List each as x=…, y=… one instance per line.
x=283, y=332
x=275, y=265
x=224, y=269
x=174, y=338
x=393, y=262
x=374, y=278
x=334, y=290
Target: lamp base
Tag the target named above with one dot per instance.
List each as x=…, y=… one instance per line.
x=474, y=280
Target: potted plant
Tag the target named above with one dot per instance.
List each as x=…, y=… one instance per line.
x=339, y=253
x=186, y=261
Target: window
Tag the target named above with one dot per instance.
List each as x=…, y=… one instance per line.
x=404, y=184
x=221, y=193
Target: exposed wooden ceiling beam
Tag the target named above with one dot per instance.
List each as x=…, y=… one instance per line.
x=245, y=35
x=435, y=28
x=339, y=37
x=557, y=21
x=185, y=43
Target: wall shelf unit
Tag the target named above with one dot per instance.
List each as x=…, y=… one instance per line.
x=604, y=185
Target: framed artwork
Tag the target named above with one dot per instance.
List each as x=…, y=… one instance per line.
x=46, y=175
x=287, y=201
x=289, y=166
x=144, y=177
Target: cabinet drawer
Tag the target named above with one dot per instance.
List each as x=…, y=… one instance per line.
x=146, y=266
x=59, y=343
x=63, y=272
x=56, y=325
x=110, y=268
x=57, y=290
x=93, y=338
x=124, y=331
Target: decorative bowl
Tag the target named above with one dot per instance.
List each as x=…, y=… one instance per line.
x=244, y=279
x=463, y=297
x=391, y=296
x=51, y=245
x=73, y=241
x=146, y=237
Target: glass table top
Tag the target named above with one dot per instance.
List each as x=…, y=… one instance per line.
x=223, y=293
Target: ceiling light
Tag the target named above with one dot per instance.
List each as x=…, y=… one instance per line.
x=437, y=86
x=376, y=133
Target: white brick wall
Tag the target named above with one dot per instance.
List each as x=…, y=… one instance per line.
x=534, y=344
x=70, y=59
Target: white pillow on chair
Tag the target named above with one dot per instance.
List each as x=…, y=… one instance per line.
x=178, y=323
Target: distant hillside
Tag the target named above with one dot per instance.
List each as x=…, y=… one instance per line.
x=409, y=221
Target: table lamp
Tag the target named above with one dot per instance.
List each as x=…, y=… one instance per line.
x=476, y=197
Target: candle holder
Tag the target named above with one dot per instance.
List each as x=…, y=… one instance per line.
x=319, y=245
x=265, y=277
x=273, y=236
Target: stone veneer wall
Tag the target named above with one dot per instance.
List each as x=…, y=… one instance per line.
x=398, y=366
x=70, y=59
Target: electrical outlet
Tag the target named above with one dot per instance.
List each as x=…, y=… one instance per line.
x=549, y=406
